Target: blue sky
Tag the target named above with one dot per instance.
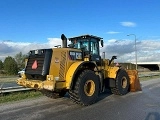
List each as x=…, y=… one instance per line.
x=40, y=22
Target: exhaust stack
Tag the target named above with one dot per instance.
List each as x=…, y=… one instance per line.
x=64, y=41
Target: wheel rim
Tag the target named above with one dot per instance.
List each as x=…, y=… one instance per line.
x=89, y=88
x=124, y=82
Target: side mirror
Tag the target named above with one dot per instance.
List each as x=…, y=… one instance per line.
x=114, y=57
x=102, y=43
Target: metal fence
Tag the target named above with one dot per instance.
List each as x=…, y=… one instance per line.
x=13, y=87
x=17, y=88
x=148, y=74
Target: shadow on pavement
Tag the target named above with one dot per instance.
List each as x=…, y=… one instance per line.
x=105, y=94
x=153, y=116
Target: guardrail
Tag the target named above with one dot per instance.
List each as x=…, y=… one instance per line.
x=149, y=75
x=13, y=89
x=4, y=89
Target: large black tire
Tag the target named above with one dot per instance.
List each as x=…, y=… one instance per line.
x=122, y=83
x=86, y=88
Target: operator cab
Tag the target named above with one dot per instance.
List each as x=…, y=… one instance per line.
x=89, y=45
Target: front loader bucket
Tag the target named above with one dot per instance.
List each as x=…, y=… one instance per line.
x=134, y=80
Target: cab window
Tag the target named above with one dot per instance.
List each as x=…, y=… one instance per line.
x=94, y=48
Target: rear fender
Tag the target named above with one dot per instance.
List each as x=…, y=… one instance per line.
x=73, y=71
x=112, y=72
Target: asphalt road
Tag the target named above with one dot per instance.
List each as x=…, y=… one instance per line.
x=142, y=105
x=8, y=84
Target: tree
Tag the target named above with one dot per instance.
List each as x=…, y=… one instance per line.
x=10, y=66
x=20, y=59
x=1, y=65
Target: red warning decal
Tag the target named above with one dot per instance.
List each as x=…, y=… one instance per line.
x=34, y=65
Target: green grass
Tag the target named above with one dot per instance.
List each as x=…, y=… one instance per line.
x=149, y=75
x=16, y=96
x=4, y=79
x=148, y=78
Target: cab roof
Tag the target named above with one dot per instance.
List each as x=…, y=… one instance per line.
x=85, y=36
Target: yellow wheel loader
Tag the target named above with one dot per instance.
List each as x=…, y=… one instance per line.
x=77, y=69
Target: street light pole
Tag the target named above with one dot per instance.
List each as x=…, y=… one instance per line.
x=135, y=48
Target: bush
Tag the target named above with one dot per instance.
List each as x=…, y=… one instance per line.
x=1, y=65
x=10, y=66
x=2, y=72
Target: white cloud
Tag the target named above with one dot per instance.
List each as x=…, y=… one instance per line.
x=149, y=45
x=147, y=50
x=9, y=48
x=54, y=41
x=112, y=41
x=128, y=24
x=113, y=32
x=118, y=48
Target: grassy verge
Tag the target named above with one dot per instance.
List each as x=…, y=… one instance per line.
x=16, y=96
x=149, y=75
x=148, y=78
x=4, y=79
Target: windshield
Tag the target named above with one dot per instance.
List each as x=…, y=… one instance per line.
x=90, y=46
x=81, y=45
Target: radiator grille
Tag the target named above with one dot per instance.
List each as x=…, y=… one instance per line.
x=43, y=59
x=62, y=66
x=40, y=62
